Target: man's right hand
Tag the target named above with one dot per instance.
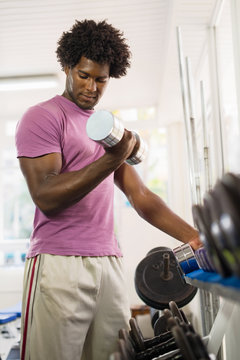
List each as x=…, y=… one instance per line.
x=124, y=148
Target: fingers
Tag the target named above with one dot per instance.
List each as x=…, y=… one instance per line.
x=125, y=147
x=196, y=243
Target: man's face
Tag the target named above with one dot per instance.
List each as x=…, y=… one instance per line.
x=86, y=83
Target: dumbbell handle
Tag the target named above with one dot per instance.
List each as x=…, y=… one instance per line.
x=157, y=350
x=103, y=127
x=158, y=339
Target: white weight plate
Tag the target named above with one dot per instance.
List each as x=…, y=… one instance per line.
x=100, y=124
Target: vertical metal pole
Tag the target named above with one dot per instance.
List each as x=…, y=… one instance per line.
x=186, y=116
x=205, y=139
x=193, y=132
x=217, y=118
x=210, y=301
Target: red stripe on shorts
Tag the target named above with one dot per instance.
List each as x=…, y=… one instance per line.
x=27, y=312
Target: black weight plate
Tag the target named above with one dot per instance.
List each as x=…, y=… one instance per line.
x=175, y=310
x=208, y=261
x=218, y=234
x=183, y=343
x=200, y=214
x=136, y=335
x=160, y=325
x=156, y=291
x=232, y=181
x=154, y=316
x=159, y=248
x=208, y=266
x=199, y=259
x=184, y=316
x=230, y=208
x=201, y=256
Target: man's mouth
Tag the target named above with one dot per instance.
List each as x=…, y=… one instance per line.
x=88, y=97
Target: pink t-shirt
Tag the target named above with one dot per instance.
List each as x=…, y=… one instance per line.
x=86, y=228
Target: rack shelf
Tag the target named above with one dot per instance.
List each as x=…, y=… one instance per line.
x=228, y=288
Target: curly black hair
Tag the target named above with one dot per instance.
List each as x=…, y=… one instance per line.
x=99, y=42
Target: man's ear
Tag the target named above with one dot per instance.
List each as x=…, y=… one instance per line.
x=66, y=69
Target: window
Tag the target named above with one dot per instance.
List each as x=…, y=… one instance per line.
x=17, y=204
x=153, y=170
x=17, y=209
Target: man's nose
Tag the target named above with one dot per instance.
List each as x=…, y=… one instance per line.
x=91, y=85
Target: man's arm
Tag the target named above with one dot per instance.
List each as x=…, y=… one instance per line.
x=152, y=208
x=52, y=191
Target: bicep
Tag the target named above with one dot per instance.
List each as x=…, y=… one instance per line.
x=37, y=170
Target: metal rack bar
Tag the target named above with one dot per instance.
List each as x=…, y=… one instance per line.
x=219, y=327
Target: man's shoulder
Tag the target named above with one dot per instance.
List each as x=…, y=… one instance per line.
x=50, y=105
x=43, y=114
x=48, y=109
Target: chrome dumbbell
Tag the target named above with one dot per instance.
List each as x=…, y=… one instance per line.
x=186, y=258
x=103, y=127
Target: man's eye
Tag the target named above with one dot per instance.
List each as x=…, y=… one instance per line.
x=82, y=76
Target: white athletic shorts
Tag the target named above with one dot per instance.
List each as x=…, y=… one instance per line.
x=73, y=307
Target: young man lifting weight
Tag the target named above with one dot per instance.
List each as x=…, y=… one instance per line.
x=74, y=299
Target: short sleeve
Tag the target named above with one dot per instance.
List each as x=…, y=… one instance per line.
x=38, y=133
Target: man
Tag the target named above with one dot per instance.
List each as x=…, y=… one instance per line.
x=74, y=299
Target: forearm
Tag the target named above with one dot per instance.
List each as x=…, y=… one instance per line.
x=154, y=210
x=59, y=191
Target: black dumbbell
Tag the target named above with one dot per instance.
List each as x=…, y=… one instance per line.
x=139, y=342
x=189, y=342
x=201, y=218
x=136, y=347
x=127, y=353
x=218, y=234
x=175, y=321
x=176, y=311
x=198, y=346
x=154, y=348
x=160, y=325
x=159, y=279
x=126, y=344
x=149, y=353
x=230, y=215
x=203, y=260
x=154, y=316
